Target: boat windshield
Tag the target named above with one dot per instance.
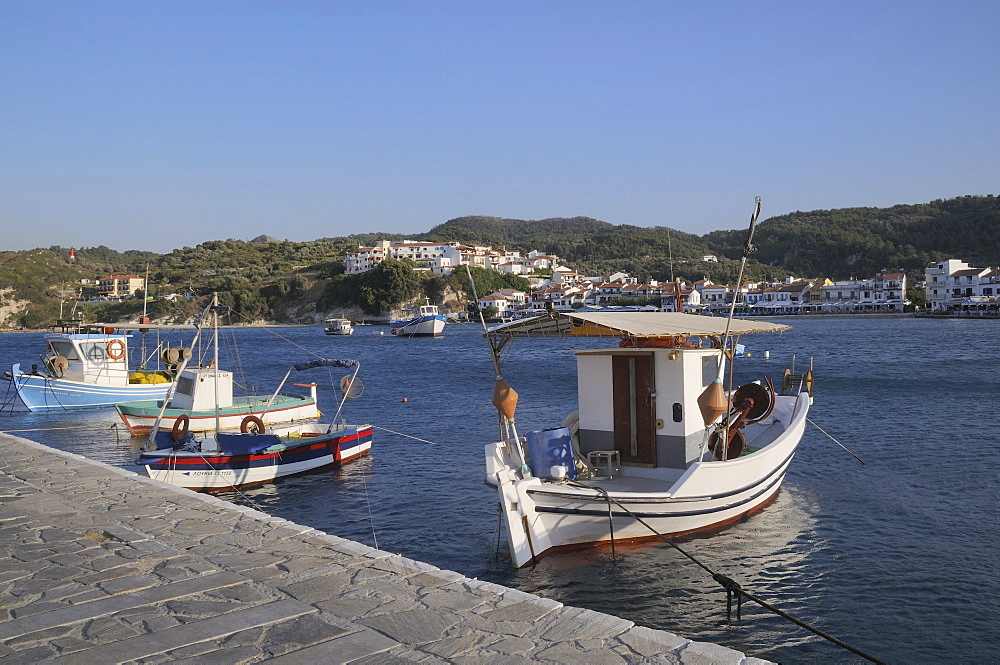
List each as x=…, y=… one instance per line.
x=64, y=347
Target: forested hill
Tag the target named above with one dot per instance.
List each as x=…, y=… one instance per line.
x=822, y=243
x=588, y=245
x=862, y=241
x=267, y=279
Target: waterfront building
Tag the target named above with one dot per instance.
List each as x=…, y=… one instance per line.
x=952, y=284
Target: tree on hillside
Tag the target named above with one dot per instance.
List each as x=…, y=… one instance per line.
x=487, y=281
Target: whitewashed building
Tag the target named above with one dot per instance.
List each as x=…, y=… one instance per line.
x=444, y=257
x=952, y=283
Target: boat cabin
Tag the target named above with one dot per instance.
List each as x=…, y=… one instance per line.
x=642, y=403
x=198, y=387
x=638, y=402
x=427, y=309
x=88, y=357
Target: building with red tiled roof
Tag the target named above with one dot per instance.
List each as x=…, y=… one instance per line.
x=120, y=286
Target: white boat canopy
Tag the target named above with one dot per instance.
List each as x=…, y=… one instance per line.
x=644, y=325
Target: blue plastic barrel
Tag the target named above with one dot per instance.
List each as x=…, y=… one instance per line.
x=548, y=448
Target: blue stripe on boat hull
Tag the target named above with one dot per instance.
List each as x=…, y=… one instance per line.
x=214, y=472
x=39, y=393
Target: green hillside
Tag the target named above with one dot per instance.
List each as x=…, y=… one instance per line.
x=284, y=281
x=862, y=241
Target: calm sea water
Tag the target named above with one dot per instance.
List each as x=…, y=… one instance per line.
x=898, y=557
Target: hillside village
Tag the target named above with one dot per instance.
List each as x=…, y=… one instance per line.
x=947, y=285
x=559, y=287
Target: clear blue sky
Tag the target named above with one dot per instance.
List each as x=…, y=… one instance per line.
x=157, y=125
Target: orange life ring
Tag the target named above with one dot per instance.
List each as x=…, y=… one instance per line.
x=180, y=431
x=116, y=349
x=252, y=420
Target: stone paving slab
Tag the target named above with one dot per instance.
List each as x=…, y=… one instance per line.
x=102, y=565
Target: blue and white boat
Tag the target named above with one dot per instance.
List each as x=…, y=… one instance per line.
x=89, y=368
x=425, y=322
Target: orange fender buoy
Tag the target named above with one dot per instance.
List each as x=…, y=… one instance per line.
x=180, y=430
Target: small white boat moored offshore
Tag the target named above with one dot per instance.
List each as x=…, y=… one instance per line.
x=338, y=327
x=425, y=322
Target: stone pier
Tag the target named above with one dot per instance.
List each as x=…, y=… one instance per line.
x=105, y=566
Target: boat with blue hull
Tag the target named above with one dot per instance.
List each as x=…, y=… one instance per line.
x=425, y=322
x=89, y=368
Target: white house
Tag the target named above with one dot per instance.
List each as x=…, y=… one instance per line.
x=953, y=282
x=443, y=257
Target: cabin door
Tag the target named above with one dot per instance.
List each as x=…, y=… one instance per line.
x=634, y=407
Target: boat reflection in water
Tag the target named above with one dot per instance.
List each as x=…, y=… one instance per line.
x=768, y=554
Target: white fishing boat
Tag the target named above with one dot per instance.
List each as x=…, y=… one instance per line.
x=425, y=322
x=202, y=398
x=228, y=460
x=92, y=366
x=639, y=445
x=202, y=393
x=656, y=443
x=338, y=327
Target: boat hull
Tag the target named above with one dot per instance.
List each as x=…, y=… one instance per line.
x=542, y=516
x=41, y=393
x=208, y=472
x=424, y=326
x=140, y=416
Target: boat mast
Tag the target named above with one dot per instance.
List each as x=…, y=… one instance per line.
x=713, y=402
x=748, y=249
x=145, y=300
x=504, y=397
x=215, y=359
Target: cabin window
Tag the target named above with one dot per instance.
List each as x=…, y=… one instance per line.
x=678, y=412
x=185, y=386
x=64, y=348
x=708, y=370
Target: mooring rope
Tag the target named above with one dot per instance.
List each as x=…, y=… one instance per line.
x=837, y=442
x=406, y=435
x=371, y=518
x=733, y=587
x=10, y=399
x=293, y=343
x=48, y=429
